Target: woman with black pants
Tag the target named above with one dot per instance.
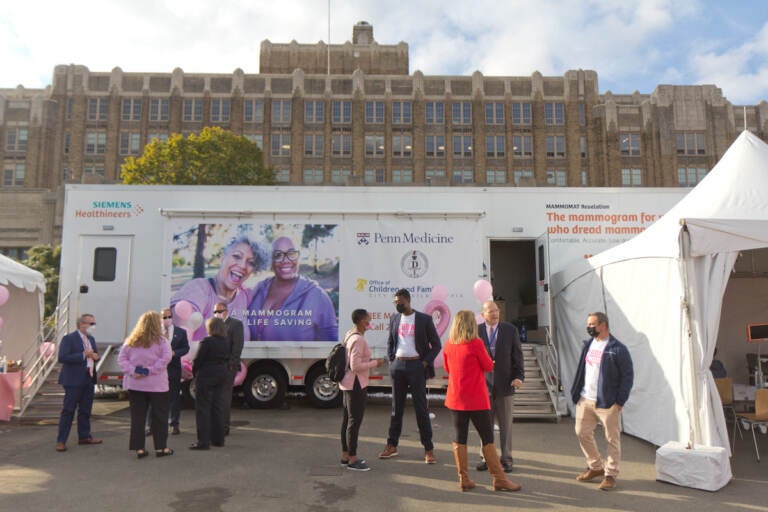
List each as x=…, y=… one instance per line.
x=466, y=361
x=353, y=386
x=210, y=371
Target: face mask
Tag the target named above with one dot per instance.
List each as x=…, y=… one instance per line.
x=91, y=330
x=168, y=323
x=592, y=331
x=400, y=308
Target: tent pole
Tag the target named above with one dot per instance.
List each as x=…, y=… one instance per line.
x=693, y=409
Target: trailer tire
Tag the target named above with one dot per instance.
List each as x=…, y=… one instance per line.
x=322, y=391
x=265, y=386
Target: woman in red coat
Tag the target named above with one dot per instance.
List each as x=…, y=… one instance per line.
x=466, y=361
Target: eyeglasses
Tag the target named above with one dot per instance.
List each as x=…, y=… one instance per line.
x=167, y=317
x=217, y=311
x=90, y=323
x=291, y=254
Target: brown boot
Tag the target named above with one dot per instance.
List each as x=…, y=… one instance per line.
x=500, y=482
x=460, y=454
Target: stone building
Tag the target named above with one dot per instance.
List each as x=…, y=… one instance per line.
x=353, y=114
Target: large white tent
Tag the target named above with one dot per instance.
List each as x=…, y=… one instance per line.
x=663, y=292
x=23, y=312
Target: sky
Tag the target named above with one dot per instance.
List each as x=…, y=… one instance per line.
x=633, y=45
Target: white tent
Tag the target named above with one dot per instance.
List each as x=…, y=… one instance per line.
x=663, y=292
x=23, y=312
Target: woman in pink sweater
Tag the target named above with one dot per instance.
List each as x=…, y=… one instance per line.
x=354, y=385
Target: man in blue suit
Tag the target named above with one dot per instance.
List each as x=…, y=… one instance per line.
x=180, y=347
x=78, y=356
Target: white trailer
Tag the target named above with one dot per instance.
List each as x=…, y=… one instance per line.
x=129, y=249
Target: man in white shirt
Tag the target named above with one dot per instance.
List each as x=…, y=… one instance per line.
x=600, y=389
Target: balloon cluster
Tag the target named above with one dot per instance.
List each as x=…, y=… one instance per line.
x=4, y=294
x=483, y=291
x=189, y=319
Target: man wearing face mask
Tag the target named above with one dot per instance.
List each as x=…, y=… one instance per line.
x=235, y=335
x=412, y=346
x=78, y=356
x=600, y=389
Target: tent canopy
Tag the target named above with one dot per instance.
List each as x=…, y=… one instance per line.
x=20, y=276
x=663, y=291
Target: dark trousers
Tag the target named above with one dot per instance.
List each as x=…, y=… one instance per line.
x=174, y=398
x=140, y=402
x=480, y=419
x=408, y=376
x=354, y=408
x=80, y=398
x=231, y=372
x=210, y=403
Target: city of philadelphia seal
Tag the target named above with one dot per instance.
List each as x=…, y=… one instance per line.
x=414, y=264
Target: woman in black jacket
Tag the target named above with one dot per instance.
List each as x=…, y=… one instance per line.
x=210, y=371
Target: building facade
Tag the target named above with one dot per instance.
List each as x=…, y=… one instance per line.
x=351, y=114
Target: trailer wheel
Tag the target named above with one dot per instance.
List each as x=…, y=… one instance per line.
x=322, y=391
x=265, y=386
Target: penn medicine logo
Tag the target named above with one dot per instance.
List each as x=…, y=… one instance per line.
x=414, y=264
x=363, y=239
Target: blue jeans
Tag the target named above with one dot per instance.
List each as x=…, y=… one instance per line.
x=408, y=376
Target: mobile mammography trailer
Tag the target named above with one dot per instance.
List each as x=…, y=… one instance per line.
x=129, y=249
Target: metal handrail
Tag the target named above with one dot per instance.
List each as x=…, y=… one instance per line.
x=549, y=364
x=37, y=364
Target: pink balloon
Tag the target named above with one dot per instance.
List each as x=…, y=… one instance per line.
x=441, y=314
x=183, y=309
x=4, y=293
x=195, y=320
x=439, y=292
x=186, y=369
x=483, y=290
x=240, y=375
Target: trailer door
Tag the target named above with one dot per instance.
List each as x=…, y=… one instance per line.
x=103, y=284
x=542, y=280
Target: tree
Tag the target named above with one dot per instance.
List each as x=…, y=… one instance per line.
x=46, y=259
x=213, y=157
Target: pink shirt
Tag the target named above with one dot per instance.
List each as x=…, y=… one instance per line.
x=155, y=358
x=359, y=361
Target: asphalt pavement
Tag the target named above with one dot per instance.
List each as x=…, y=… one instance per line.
x=287, y=460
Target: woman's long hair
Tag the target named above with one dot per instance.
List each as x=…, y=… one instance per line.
x=463, y=328
x=147, y=331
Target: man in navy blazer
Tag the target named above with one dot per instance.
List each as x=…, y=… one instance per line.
x=179, y=347
x=78, y=356
x=412, y=347
x=503, y=344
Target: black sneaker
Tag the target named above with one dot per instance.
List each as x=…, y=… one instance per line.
x=358, y=465
x=343, y=463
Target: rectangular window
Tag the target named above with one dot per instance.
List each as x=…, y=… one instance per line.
x=339, y=176
x=193, y=110
x=690, y=176
x=16, y=139
x=253, y=111
x=313, y=176
x=462, y=145
x=281, y=112
x=131, y=109
x=375, y=176
x=282, y=176
x=95, y=143
x=220, y=110
x=494, y=113
x=313, y=145
x=584, y=178
x=256, y=138
x=494, y=146
x=583, y=146
x=631, y=177
x=401, y=112
x=67, y=142
x=68, y=113
x=13, y=175
x=522, y=174
x=97, y=109
x=158, y=109
x=435, y=112
x=314, y=112
x=521, y=113
x=94, y=170
x=341, y=112
x=402, y=176
x=555, y=146
x=281, y=144
x=690, y=144
x=401, y=146
x=630, y=144
x=462, y=112
x=158, y=136
x=462, y=176
x=554, y=113
x=495, y=176
x=522, y=146
x=434, y=173
x=341, y=144
x=129, y=143
x=582, y=115
x=374, y=145
x=66, y=174
x=374, y=112
x=435, y=146
x=557, y=178
x=104, y=264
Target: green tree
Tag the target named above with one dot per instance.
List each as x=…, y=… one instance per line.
x=213, y=157
x=46, y=259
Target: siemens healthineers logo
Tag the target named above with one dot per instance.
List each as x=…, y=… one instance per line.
x=110, y=209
